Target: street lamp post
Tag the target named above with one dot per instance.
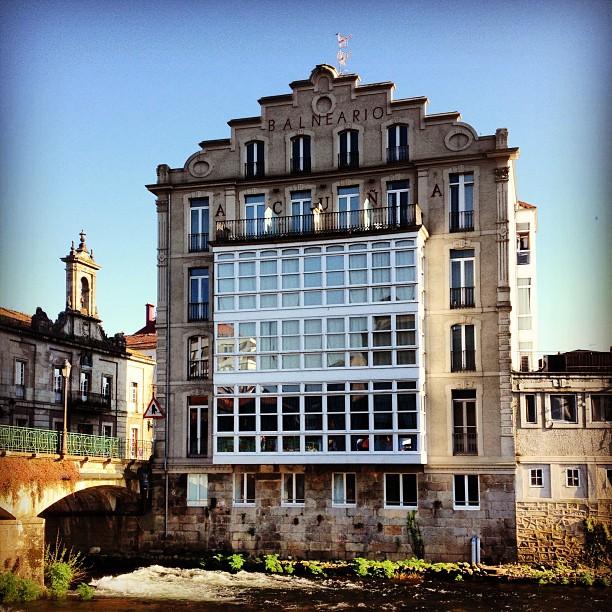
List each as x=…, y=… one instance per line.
x=66, y=375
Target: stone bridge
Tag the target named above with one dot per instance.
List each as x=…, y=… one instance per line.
x=97, y=476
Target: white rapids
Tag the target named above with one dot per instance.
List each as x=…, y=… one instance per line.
x=157, y=582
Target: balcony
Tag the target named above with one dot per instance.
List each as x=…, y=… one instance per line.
x=397, y=154
x=465, y=441
x=254, y=169
x=462, y=221
x=198, y=311
x=349, y=159
x=300, y=165
x=92, y=402
x=463, y=361
x=375, y=220
x=198, y=243
x=48, y=442
x=462, y=297
x=198, y=370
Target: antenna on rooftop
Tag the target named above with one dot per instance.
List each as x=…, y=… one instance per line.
x=344, y=52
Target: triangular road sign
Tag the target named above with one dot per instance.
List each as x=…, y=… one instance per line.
x=154, y=410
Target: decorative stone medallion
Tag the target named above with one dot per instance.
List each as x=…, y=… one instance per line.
x=200, y=168
x=458, y=139
x=323, y=104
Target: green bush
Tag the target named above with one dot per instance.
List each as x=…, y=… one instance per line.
x=235, y=561
x=60, y=576
x=16, y=589
x=272, y=564
x=86, y=592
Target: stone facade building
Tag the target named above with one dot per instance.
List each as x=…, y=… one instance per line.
x=563, y=450
x=108, y=385
x=337, y=327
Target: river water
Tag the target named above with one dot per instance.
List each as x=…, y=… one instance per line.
x=163, y=589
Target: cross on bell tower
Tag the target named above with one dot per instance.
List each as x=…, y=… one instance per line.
x=81, y=272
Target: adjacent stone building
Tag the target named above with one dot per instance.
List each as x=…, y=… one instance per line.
x=108, y=386
x=563, y=418
x=337, y=326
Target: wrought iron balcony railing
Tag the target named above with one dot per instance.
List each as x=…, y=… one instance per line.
x=463, y=361
x=461, y=221
x=300, y=165
x=319, y=223
x=399, y=153
x=87, y=400
x=198, y=311
x=350, y=159
x=198, y=243
x=465, y=441
x=49, y=442
x=462, y=297
x=198, y=370
x=254, y=169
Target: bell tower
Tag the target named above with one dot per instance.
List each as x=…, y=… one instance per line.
x=81, y=272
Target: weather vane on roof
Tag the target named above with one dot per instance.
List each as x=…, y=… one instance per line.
x=343, y=51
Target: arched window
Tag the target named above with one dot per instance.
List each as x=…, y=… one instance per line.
x=348, y=157
x=397, y=143
x=198, y=358
x=300, y=154
x=254, y=165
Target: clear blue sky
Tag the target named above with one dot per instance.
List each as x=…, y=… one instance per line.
x=96, y=94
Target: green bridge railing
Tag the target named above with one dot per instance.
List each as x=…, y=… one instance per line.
x=46, y=441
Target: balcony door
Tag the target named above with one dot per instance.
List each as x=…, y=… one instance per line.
x=348, y=207
x=465, y=432
x=301, y=212
x=254, y=214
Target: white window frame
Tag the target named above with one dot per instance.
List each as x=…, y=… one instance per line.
x=20, y=377
x=58, y=383
x=243, y=479
x=403, y=504
x=572, y=478
x=196, y=484
x=85, y=384
x=299, y=139
x=201, y=436
x=394, y=198
x=134, y=393
x=107, y=424
x=291, y=479
x=562, y=421
x=467, y=505
x=524, y=408
x=199, y=215
x=536, y=478
x=107, y=386
x=344, y=503
x=461, y=184
x=524, y=319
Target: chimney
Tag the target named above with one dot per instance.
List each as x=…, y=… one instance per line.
x=150, y=314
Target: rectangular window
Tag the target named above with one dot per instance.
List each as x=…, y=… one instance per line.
x=462, y=278
x=197, y=489
x=465, y=433
x=536, y=478
x=254, y=165
x=461, y=202
x=398, y=203
x=400, y=490
x=601, y=408
x=348, y=208
x=397, y=143
x=58, y=384
x=255, y=210
x=198, y=358
x=198, y=426
x=198, y=294
x=302, y=217
x=522, y=244
x=244, y=489
x=293, y=489
x=300, y=155
x=348, y=157
x=572, y=477
x=199, y=224
x=531, y=415
x=107, y=387
x=466, y=492
x=524, y=303
x=343, y=493
x=134, y=393
x=107, y=430
x=563, y=408
x=85, y=385
x=463, y=354
x=20, y=376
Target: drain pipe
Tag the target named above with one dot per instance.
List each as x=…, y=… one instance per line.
x=475, y=550
x=167, y=424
